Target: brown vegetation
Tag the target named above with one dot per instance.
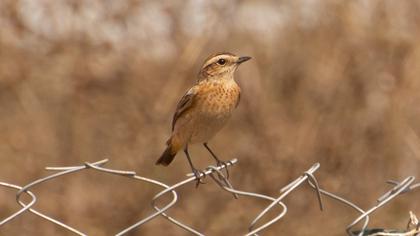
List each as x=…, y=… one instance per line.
x=335, y=82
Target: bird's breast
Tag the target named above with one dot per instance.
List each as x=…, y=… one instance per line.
x=214, y=106
x=219, y=101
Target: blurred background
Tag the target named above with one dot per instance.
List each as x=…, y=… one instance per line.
x=335, y=82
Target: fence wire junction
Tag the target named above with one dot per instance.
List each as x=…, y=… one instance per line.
x=216, y=174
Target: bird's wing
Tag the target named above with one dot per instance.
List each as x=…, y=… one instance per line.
x=184, y=104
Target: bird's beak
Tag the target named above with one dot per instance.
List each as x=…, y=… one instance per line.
x=242, y=59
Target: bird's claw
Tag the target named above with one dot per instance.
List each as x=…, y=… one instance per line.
x=199, y=175
x=225, y=165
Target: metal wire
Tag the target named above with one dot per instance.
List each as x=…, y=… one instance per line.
x=217, y=175
x=23, y=209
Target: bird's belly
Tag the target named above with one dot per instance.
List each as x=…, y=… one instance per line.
x=207, y=126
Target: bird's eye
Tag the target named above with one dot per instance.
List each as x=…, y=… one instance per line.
x=221, y=61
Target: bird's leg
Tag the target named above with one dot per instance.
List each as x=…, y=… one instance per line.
x=219, y=162
x=196, y=172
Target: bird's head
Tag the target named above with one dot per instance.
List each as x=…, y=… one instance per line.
x=221, y=66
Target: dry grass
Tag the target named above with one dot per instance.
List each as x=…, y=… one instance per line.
x=335, y=82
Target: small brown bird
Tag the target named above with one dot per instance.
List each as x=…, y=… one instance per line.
x=205, y=108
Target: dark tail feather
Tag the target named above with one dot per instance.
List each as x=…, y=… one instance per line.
x=167, y=157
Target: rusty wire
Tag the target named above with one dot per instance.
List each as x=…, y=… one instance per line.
x=216, y=174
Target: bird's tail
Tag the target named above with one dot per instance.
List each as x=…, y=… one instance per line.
x=169, y=154
x=167, y=157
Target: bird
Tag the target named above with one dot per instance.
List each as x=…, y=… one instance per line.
x=205, y=108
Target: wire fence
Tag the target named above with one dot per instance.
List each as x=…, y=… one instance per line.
x=216, y=173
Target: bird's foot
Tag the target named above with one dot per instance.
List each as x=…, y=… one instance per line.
x=225, y=165
x=199, y=175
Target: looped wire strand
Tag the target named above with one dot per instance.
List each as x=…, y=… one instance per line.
x=133, y=175
x=72, y=169
x=228, y=187
x=221, y=180
x=284, y=192
x=44, y=179
x=391, y=194
x=23, y=209
x=169, y=189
